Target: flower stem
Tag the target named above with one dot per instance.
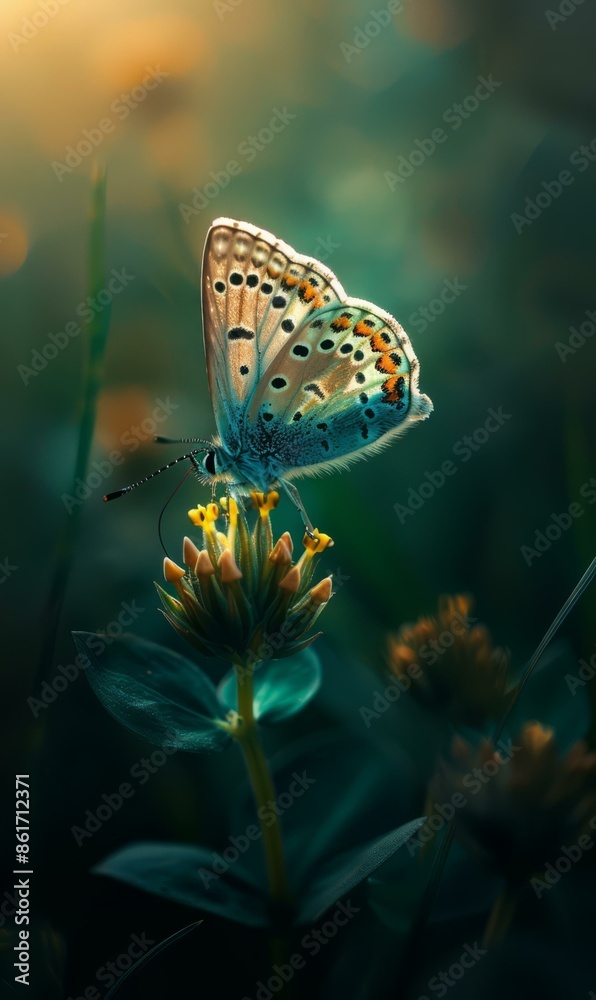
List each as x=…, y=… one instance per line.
x=247, y=735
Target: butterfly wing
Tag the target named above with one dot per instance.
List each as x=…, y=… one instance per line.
x=343, y=385
x=256, y=292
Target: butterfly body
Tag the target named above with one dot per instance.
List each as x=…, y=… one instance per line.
x=303, y=378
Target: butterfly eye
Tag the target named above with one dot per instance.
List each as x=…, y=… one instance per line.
x=209, y=463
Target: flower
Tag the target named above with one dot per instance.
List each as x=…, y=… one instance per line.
x=523, y=801
x=451, y=664
x=241, y=597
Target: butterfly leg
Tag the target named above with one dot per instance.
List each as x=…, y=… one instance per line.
x=294, y=496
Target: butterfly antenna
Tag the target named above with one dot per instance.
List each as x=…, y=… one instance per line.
x=126, y=489
x=165, y=506
x=163, y=440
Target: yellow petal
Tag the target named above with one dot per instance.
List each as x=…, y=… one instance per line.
x=197, y=516
x=264, y=503
x=317, y=544
x=233, y=511
x=204, y=517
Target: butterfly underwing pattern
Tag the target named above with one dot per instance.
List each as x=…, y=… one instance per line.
x=303, y=378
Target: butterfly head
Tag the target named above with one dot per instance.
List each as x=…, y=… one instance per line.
x=213, y=465
x=210, y=463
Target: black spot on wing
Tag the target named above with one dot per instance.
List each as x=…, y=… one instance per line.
x=313, y=387
x=240, y=333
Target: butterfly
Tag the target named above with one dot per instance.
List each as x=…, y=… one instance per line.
x=303, y=378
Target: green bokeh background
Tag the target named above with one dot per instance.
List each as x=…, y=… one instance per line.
x=321, y=181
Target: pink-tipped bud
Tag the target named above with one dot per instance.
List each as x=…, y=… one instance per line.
x=291, y=581
x=172, y=572
x=204, y=566
x=287, y=538
x=229, y=570
x=280, y=554
x=322, y=592
x=190, y=553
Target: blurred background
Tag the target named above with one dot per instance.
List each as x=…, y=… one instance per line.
x=167, y=95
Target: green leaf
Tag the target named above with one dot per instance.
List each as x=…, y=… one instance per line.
x=344, y=873
x=184, y=874
x=153, y=691
x=282, y=688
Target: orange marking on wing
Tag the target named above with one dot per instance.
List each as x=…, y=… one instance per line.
x=289, y=280
x=386, y=364
x=362, y=329
x=380, y=341
x=395, y=384
x=306, y=291
x=318, y=302
x=341, y=323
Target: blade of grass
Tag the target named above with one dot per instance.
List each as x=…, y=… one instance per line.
x=145, y=959
x=569, y=604
x=95, y=350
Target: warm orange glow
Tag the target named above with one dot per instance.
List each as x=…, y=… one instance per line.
x=173, y=43
x=124, y=419
x=13, y=243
